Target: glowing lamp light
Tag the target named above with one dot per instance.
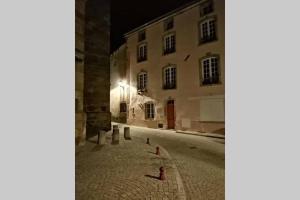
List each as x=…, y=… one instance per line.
x=122, y=83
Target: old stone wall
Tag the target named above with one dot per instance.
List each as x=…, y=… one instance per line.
x=97, y=66
x=80, y=116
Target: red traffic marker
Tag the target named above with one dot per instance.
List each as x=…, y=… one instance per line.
x=162, y=174
x=157, y=151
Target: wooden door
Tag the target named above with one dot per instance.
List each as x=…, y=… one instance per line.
x=170, y=114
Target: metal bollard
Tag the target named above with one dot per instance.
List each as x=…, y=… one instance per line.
x=127, y=133
x=162, y=174
x=148, y=141
x=157, y=151
x=115, y=136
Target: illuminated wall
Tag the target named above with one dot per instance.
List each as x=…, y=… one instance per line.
x=119, y=88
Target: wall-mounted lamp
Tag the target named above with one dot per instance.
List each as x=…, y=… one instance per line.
x=123, y=83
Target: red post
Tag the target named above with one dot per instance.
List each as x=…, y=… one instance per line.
x=162, y=174
x=157, y=151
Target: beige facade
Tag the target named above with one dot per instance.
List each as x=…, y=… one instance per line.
x=184, y=63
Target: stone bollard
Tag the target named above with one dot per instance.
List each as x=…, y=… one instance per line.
x=127, y=133
x=148, y=141
x=157, y=151
x=101, y=137
x=115, y=136
x=115, y=127
x=162, y=174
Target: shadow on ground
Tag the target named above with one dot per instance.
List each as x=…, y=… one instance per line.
x=97, y=148
x=150, y=176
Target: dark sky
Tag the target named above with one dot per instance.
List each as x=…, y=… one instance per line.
x=129, y=14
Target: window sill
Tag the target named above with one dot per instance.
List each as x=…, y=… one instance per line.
x=210, y=85
x=139, y=61
x=169, y=88
x=149, y=119
x=168, y=53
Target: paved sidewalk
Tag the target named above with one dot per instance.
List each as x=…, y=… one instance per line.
x=196, y=133
x=213, y=135
x=128, y=170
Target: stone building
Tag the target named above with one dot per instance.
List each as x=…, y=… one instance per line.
x=80, y=115
x=92, y=74
x=177, y=69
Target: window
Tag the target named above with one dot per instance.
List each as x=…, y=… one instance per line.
x=210, y=70
x=168, y=24
x=123, y=107
x=170, y=77
x=206, y=8
x=142, y=36
x=169, y=44
x=142, y=81
x=142, y=53
x=149, y=110
x=208, y=31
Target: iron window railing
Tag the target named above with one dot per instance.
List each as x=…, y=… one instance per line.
x=208, y=38
x=142, y=58
x=210, y=80
x=169, y=50
x=169, y=86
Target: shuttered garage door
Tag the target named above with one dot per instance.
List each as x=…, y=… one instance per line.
x=212, y=108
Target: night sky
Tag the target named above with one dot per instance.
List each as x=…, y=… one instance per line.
x=129, y=14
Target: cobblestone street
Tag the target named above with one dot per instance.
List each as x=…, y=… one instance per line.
x=194, y=167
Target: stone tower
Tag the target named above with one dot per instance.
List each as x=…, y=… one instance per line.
x=97, y=66
x=93, y=74
x=80, y=115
